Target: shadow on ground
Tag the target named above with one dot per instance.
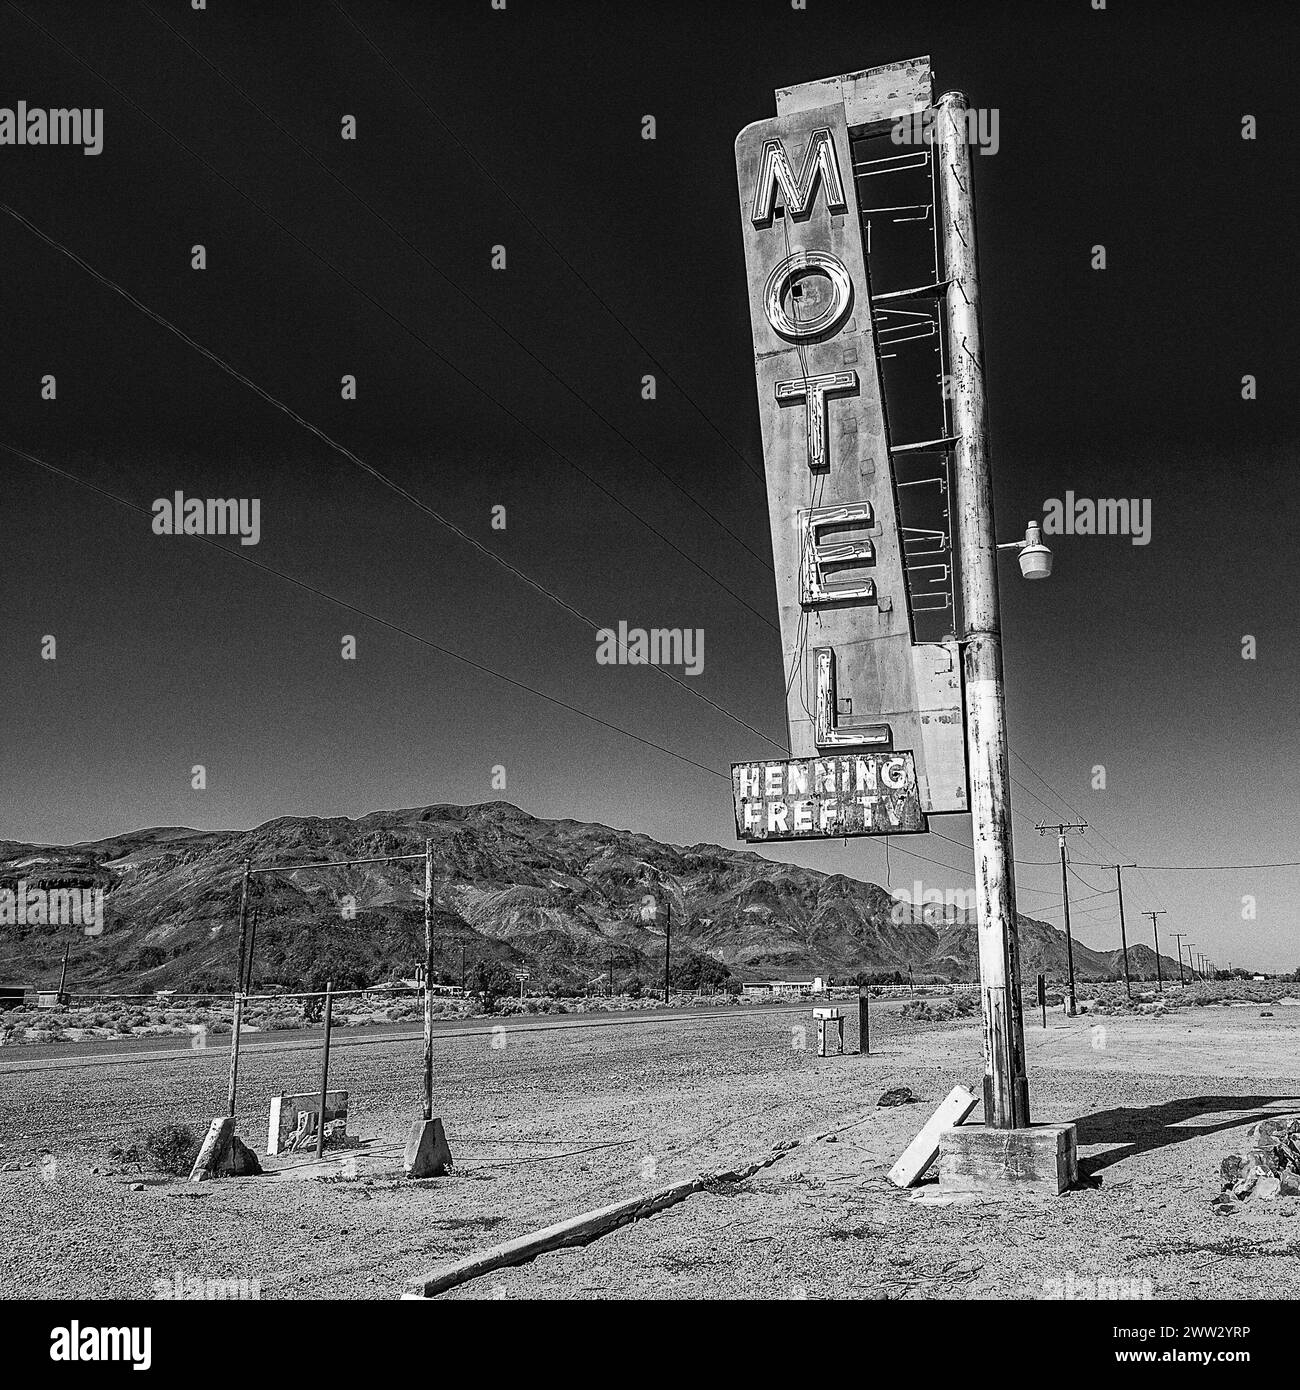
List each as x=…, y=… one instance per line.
x=1136, y=1131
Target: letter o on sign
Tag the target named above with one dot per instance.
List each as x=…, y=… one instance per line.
x=792, y=268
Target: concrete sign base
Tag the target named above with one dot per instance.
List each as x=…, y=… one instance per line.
x=224, y=1154
x=427, y=1154
x=1042, y=1159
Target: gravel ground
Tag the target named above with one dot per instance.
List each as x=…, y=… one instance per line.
x=555, y=1122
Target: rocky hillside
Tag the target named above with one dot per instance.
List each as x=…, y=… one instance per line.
x=563, y=899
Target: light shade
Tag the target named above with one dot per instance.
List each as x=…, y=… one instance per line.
x=1035, y=561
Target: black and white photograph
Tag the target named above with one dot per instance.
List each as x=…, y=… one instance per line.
x=649, y=655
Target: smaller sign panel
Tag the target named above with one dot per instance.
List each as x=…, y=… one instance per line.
x=826, y=798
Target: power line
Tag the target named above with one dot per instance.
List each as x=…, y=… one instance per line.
x=365, y=467
x=577, y=274
x=406, y=632
x=447, y=279
x=446, y=361
x=372, y=617
x=1087, y=882
x=1198, y=868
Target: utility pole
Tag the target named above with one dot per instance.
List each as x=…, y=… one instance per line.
x=1178, y=936
x=428, y=979
x=462, y=967
x=1006, y=1083
x=63, y=971
x=1061, y=827
x=1119, y=884
x=239, y=995
x=668, y=918
x=1156, y=933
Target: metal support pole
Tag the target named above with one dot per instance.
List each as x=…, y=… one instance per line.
x=324, y=1070
x=1006, y=1085
x=239, y=996
x=428, y=979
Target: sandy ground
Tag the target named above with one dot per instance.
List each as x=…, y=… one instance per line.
x=546, y=1124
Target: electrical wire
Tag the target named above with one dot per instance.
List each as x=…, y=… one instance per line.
x=447, y=279
x=361, y=463
x=446, y=361
x=577, y=274
x=374, y=617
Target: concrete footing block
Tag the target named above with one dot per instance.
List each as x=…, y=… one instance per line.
x=427, y=1154
x=224, y=1154
x=1042, y=1159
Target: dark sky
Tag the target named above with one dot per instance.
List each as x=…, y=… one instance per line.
x=1120, y=127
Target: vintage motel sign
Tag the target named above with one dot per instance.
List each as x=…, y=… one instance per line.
x=860, y=690
x=808, y=798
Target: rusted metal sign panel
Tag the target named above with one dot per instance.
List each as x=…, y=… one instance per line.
x=855, y=680
x=875, y=94
x=824, y=798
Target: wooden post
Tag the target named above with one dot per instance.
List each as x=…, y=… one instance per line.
x=1123, y=936
x=428, y=979
x=1155, y=931
x=1178, y=936
x=1071, y=1006
x=63, y=972
x=252, y=946
x=1006, y=1084
x=668, y=939
x=324, y=1069
x=864, y=1019
x=239, y=996
x=1042, y=997
x=1069, y=936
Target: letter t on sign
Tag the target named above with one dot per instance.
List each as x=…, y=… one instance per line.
x=813, y=390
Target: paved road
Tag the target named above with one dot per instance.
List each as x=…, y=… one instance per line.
x=108, y=1051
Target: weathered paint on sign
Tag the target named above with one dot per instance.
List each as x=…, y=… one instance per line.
x=825, y=798
x=855, y=679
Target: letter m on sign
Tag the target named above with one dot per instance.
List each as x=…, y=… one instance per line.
x=775, y=171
